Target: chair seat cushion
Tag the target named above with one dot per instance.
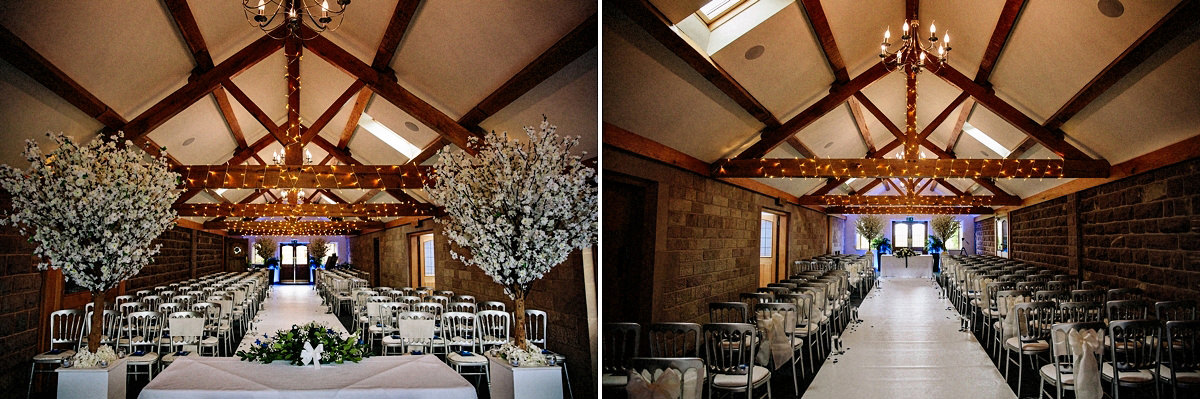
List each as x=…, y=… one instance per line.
x=1048, y=375
x=610, y=380
x=48, y=357
x=458, y=358
x=209, y=341
x=991, y=313
x=739, y=380
x=1134, y=376
x=388, y=340
x=170, y=357
x=148, y=358
x=1013, y=343
x=1186, y=377
x=797, y=342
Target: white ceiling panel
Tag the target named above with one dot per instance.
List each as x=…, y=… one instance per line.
x=568, y=99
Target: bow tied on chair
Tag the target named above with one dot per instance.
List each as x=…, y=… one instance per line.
x=312, y=355
x=1084, y=346
x=669, y=385
x=777, y=346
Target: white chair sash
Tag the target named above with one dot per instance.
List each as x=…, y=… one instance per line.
x=778, y=346
x=1083, y=346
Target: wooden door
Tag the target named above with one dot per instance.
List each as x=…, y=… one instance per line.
x=293, y=263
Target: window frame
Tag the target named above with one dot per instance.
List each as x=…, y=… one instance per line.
x=766, y=243
x=723, y=16
x=910, y=236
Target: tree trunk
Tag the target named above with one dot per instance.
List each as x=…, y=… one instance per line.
x=97, y=321
x=519, y=321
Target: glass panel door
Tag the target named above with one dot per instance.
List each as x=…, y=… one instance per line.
x=918, y=235
x=899, y=235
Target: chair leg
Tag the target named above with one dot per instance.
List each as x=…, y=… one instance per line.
x=1020, y=372
x=32, y=368
x=566, y=377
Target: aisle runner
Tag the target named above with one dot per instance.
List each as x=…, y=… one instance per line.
x=908, y=346
x=288, y=305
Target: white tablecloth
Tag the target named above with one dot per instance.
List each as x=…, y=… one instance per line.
x=920, y=266
x=414, y=377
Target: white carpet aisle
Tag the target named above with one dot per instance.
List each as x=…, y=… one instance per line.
x=288, y=305
x=908, y=346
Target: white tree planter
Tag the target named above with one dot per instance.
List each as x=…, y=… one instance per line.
x=510, y=382
x=108, y=383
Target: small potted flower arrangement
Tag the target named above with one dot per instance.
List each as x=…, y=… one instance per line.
x=904, y=253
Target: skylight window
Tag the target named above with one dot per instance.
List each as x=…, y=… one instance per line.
x=716, y=9
x=221, y=191
x=986, y=140
x=388, y=136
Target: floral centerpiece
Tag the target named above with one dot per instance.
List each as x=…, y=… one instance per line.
x=530, y=357
x=904, y=253
x=519, y=207
x=87, y=360
x=309, y=343
x=93, y=211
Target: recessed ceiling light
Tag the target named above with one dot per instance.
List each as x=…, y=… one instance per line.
x=189, y=141
x=411, y=126
x=755, y=52
x=829, y=144
x=1111, y=8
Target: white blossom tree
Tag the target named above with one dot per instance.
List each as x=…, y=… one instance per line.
x=92, y=210
x=518, y=207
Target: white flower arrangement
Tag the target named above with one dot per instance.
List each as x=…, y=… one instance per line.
x=519, y=207
x=85, y=359
x=93, y=210
x=532, y=357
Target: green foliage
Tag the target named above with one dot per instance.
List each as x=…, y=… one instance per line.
x=935, y=245
x=882, y=244
x=264, y=247
x=869, y=226
x=288, y=344
x=944, y=226
x=318, y=248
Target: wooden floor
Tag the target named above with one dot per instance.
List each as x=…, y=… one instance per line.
x=908, y=346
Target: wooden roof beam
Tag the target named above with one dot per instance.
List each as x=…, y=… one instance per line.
x=315, y=129
x=861, y=123
x=303, y=210
x=951, y=187
x=1000, y=35
x=1176, y=22
x=968, y=107
x=890, y=167
x=303, y=176
x=273, y=130
x=820, y=26
x=24, y=58
x=908, y=200
x=1051, y=139
x=879, y=115
x=924, y=210
x=867, y=187
x=937, y=121
x=392, y=35
x=801, y=148
x=773, y=136
x=186, y=22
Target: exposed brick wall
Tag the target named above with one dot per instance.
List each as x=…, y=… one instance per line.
x=209, y=251
x=173, y=262
x=1040, y=234
x=560, y=293
x=985, y=236
x=20, y=301
x=1141, y=231
x=708, y=237
x=393, y=249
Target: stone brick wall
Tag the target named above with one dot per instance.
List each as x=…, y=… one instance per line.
x=707, y=237
x=393, y=249
x=1040, y=234
x=173, y=262
x=560, y=293
x=1141, y=231
x=210, y=248
x=985, y=236
x=20, y=301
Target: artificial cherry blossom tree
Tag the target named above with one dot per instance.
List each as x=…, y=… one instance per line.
x=92, y=210
x=519, y=208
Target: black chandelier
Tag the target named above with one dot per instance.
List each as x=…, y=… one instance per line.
x=270, y=15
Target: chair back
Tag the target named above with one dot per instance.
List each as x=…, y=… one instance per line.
x=752, y=299
x=152, y=301
x=1008, y=298
x=458, y=329
x=110, y=327
x=129, y=307
x=1079, y=312
x=184, y=300
x=1128, y=309
x=434, y=308
x=493, y=326
x=1048, y=295
x=170, y=307
x=210, y=311
x=439, y=299
x=464, y=298
x=1175, y=310
x=1031, y=285
x=409, y=299
x=674, y=339
x=416, y=328
x=1183, y=354
x=535, y=327
x=1034, y=320
x=1121, y=294
x=1131, y=347
x=619, y=346
x=1060, y=285
x=491, y=305
x=774, y=292
x=445, y=293
x=464, y=307
x=66, y=327
x=1087, y=295
x=681, y=364
x=992, y=289
x=728, y=312
x=730, y=348
x=187, y=328
x=765, y=311
x=145, y=328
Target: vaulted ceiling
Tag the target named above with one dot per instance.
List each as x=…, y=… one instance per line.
x=798, y=82
x=430, y=71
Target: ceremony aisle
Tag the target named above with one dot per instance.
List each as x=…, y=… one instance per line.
x=288, y=305
x=908, y=346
